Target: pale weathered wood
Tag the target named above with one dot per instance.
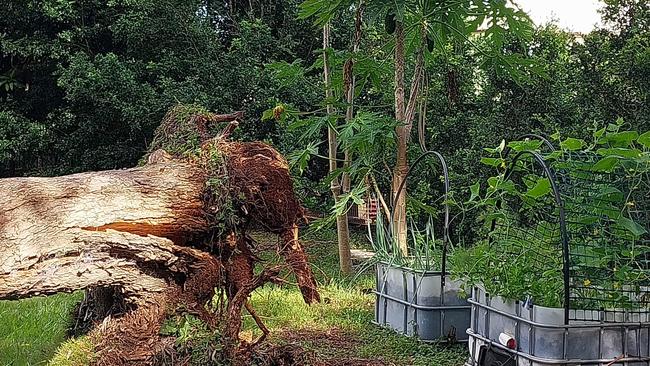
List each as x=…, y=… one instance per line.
x=139, y=266
x=99, y=228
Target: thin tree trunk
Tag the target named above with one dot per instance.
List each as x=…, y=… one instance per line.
x=350, y=85
x=345, y=256
x=405, y=115
x=401, y=166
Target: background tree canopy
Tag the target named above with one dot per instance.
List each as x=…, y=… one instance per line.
x=83, y=83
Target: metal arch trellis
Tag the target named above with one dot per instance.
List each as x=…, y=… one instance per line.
x=507, y=150
x=605, y=256
x=414, y=298
x=550, y=175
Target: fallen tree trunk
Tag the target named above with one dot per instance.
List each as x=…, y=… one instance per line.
x=156, y=236
x=101, y=228
x=55, y=226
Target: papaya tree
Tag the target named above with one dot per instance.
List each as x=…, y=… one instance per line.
x=416, y=28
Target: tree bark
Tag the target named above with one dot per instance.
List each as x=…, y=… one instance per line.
x=158, y=235
x=130, y=228
x=405, y=115
x=119, y=227
x=401, y=166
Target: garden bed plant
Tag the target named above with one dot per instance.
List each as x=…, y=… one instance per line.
x=604, y=187
x=414, y=294
x=562, y=273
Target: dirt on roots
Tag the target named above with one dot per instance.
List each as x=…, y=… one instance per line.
x=134, y=338
x=248, y=183
x=331, y=347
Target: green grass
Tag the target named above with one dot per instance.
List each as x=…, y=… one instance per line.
x=74, y=352
x=347, y=308
x=32, y=329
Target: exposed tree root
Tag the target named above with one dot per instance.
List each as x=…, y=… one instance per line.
x=260, y=187
x=260, y=324
x=295, y=256
x=134, y=338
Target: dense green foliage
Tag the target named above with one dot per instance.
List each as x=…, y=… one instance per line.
x=83, y=84
x=604, y=184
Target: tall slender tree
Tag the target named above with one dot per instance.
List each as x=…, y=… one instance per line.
x=342, y=229
x=431, y=24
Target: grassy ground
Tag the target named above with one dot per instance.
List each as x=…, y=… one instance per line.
x=337, y=331
x=32, y=329
x=340, y=327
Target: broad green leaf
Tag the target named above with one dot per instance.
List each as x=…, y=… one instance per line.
x=531, y=145
x=618, y=151
x=631, y=226
x=555, y=136
x=624, y=138
x=613, y=127
x=322, y=10
x=498, y=184
x=474, y=189
x=492, y=161
x=267, y=115
x=606, y=164
x=572, y=144
x=301, y=158
x=287, y=74
x=612, y=192
x=356, y=195
x=541, y=188
x=644, y=139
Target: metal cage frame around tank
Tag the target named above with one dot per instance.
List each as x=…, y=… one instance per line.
x=550, y=174
x=441, y=305
x=558, y=336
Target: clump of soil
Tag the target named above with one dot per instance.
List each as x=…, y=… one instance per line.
x=259, y=175
x=184, y=128
x=134, y=338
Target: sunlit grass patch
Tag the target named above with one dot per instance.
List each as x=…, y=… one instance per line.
x=341, y=306
x=337, y=329
x=74, y=352
x=341, y=325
